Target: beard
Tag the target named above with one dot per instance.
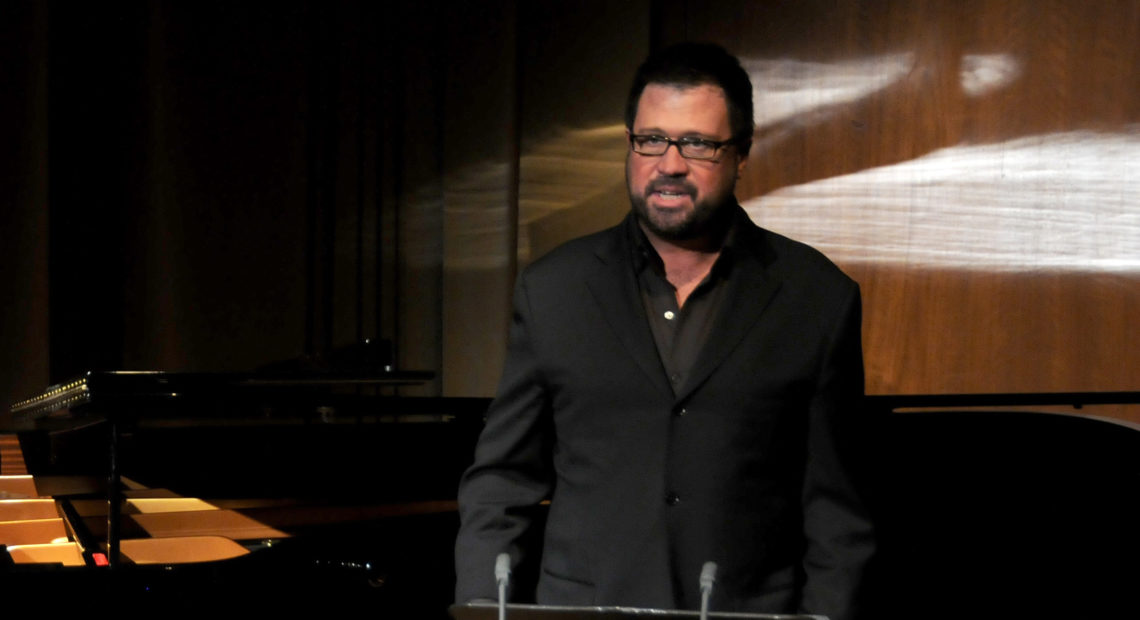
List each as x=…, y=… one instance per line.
x=706, y=217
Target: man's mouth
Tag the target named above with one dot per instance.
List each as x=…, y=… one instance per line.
x=670, y=191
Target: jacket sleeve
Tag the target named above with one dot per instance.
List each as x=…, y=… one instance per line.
x=500, y=494
x=840, y=538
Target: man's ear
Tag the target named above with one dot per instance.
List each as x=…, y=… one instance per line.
x=742, y=160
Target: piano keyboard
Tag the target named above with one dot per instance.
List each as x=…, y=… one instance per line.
x=159, y=527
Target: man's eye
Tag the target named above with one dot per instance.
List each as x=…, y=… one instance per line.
x=653, y=141
x=698, y=147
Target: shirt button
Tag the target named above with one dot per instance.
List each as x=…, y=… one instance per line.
x=682, y=411
x=672, y=499
x=674, y=377
x=669, y=315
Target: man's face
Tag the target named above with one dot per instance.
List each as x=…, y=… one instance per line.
x=673, y=197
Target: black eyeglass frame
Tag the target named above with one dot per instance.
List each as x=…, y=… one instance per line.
x=680, y=143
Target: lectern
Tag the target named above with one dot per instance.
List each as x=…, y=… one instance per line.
x=490, y=611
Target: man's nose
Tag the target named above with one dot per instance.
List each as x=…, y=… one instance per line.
x=671, y=162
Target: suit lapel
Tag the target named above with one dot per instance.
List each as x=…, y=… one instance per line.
x=753, y=284
x=616, y=291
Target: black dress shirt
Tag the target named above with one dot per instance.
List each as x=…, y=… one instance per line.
x=679, y=331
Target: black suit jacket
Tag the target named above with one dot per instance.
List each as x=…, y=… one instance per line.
x=749, y=464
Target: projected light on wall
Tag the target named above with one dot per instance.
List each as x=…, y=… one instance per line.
x=1068, y=200
x=988, y=207
x=788, y=88
x=1064, y=201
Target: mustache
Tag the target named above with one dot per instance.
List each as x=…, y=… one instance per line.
x=671, y=185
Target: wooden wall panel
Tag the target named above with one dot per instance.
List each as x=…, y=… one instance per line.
x=972, y=164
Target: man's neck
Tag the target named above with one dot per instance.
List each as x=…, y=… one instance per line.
x=687, y=261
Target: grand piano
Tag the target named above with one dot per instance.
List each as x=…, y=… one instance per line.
x=286, y=485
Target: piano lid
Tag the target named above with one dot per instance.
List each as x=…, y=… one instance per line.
x=129, y=392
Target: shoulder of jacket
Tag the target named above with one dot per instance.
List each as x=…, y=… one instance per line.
x=794, y=257
x=577, y=254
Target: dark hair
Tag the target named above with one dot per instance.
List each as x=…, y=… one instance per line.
x=694, y=64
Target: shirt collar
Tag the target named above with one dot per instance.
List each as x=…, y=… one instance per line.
x=645, y=255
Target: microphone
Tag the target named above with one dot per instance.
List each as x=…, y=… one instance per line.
x=503, y=578
x=708, y=578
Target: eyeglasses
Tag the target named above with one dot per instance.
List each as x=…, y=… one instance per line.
x=689, y=148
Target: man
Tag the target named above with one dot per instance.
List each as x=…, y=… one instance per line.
x=683, y=388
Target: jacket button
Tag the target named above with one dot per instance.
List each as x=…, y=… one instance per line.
x=681, y=411
x=672, y=499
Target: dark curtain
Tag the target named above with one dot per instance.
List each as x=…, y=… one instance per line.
x=218, y=186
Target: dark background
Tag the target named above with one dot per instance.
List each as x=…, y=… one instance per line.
x=218, y=185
